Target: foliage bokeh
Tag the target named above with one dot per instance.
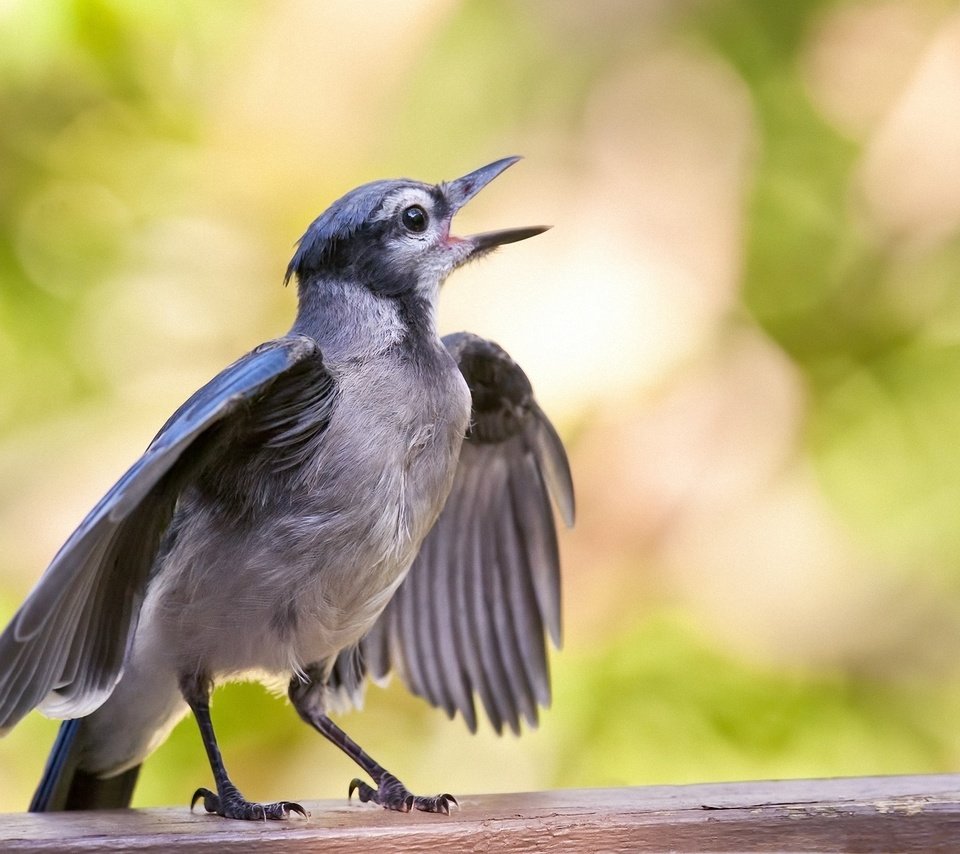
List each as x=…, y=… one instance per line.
x=746, y=324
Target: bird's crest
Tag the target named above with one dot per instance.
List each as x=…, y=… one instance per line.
x=337, y=223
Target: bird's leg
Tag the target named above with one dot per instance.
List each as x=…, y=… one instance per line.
x=227, y=800
x=390, y=793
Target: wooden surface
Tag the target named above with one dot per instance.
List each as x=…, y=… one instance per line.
x=855, y=814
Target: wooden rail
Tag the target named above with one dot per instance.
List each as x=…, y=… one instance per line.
x=854, y=814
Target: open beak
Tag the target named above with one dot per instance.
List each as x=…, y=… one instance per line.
x=459, y=192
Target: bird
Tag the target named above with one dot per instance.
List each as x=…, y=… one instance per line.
x=356, y=498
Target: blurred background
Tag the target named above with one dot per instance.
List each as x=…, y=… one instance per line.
x=745, y=323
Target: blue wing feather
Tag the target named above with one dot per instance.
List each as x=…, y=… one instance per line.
x=94, y=585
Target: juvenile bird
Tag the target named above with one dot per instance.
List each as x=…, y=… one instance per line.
x=356, y=497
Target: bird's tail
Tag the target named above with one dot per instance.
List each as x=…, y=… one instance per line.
x=65, y=787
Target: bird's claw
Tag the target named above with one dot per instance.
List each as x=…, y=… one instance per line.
x=391, y=794
x=234, y=805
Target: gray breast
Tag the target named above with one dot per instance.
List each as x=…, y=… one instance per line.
x=383, y=476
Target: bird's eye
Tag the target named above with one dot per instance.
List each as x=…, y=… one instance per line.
x=414, y=218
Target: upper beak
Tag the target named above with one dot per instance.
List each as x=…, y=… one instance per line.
x=459, y=192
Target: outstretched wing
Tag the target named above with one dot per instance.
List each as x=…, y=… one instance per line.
x=471, y=616
x=64, y=649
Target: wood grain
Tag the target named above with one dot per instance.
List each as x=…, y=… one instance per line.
x=854, y=814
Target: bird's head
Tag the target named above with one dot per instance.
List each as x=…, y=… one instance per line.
x=394, y=236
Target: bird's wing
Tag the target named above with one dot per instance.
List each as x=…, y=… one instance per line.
x=471, y=616
x=64, y=649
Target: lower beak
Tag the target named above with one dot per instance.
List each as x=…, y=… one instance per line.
x=492, y=239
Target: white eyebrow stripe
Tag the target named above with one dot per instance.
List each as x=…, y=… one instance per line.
x=405, y=197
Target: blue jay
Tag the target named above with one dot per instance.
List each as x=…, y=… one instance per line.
x=356, y=497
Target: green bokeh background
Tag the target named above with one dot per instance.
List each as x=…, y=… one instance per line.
x=158, y=159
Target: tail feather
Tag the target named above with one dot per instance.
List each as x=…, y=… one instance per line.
x=65, y=787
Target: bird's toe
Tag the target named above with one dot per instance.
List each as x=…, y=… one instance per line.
x=436, y=803
x=233, y=805
x=391, y=794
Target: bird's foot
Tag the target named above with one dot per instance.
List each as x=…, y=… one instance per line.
x=391, y=794
x=233, y=805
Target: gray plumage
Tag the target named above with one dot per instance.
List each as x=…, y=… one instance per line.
x=270, y=528
x=470, y=616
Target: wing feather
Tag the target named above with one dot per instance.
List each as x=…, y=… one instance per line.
x=428, y=638
x=65, y=647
